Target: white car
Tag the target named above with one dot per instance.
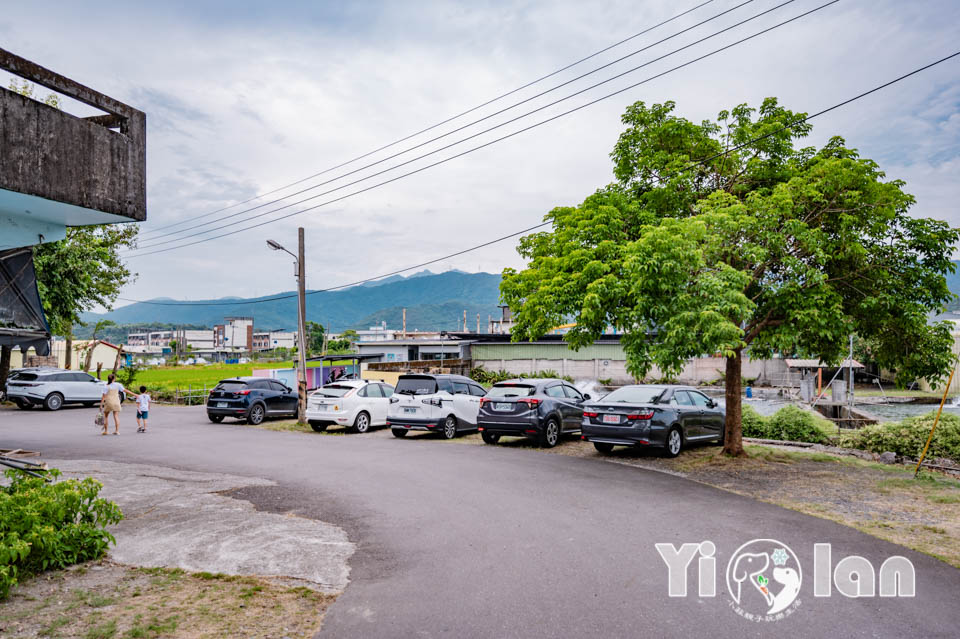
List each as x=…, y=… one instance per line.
x=358, y=404
x=53, y=387
x=446, y=404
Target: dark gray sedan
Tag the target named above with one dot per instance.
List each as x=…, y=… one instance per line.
x=658, y=416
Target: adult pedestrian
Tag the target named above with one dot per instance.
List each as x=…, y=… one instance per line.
x=110, y=403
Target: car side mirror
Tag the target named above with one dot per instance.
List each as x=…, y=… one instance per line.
x=711, y=404
x=586, y=396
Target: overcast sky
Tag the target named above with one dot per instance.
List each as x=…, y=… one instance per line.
x=244, y=97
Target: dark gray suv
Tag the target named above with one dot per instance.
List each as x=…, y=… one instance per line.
x=541, y=409
x=667, y=417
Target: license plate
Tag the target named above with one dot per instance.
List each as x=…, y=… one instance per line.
x=611, y=419
x=320, y=405
x=221, y=404
x=503, y=407
x=409, y=411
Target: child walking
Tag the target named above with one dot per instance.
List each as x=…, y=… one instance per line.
x=143, y=409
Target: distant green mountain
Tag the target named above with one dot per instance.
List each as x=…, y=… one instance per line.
x=433, y=302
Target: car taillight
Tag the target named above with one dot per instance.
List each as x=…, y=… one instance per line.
x=244, y=392
x=485, y=400
x=586, y=414
x=394, y=400
x=641, y=415
x=530, y=401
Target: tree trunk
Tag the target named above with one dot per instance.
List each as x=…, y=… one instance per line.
x=89, y=359
x=5, y=352
x=733, y=428
x=68, y=356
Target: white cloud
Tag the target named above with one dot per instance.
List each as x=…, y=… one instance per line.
x=241, y=100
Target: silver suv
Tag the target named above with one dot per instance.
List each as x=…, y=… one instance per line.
x=53, y=387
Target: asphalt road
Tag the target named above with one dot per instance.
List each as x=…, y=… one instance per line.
x=478, y=541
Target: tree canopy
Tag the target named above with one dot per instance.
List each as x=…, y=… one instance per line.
x=721, y=237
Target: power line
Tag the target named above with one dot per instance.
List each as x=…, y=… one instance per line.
x=441, y=123
x=541, y=225
x=152, y=241
x=140, y=253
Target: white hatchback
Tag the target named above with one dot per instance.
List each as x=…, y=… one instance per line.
x=358, y=404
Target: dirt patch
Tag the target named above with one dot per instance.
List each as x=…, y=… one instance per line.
x=104, y=600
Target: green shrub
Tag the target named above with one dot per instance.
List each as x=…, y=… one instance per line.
x=790, y=423
x=754, y=424
x=909, y=436
x=482, y=375
x=48, y=525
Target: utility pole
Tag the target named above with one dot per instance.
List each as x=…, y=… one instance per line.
x=302, y=315
x=300, y=272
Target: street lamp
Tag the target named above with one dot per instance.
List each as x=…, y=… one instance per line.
x=301, y=324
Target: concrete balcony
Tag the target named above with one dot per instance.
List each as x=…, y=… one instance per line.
x=59, y=170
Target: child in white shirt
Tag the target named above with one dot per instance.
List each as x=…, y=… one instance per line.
x=143, y=408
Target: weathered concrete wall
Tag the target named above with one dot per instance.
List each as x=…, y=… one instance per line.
x=47, y=153
x=702, y=370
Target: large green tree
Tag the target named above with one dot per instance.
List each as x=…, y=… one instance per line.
x=728, y=238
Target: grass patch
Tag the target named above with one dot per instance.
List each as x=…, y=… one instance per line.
x=106, y=630
x=50, y=630
x=171, y=603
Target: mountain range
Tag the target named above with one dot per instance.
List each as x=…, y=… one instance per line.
x=433, y=302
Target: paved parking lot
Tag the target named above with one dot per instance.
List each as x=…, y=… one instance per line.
x=480, y=541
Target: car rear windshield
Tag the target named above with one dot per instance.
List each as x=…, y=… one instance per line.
x=416, y=386
x=231, y=387
x=511, y=390
x=634, y=395
x=334, y=390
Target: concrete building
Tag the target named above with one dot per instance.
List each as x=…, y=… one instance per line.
x=269, y=340
x=408, y=350
x=235, y=334
x=58, y=170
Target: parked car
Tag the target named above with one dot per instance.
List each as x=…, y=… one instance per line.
x=445, y=404
x=668, y=417
x=541, y=409
x=356, y=403
x=52, y=388
x=252, y=399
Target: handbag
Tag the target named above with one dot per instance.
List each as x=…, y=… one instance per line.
x=98, y=420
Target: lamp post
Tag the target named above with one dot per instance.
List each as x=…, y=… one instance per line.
x=301, y=323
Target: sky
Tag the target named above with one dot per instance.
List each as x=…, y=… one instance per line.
x=246, y=97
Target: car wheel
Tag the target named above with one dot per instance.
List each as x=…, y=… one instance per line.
x=674, y=443
x=490, y=438
x=23, y=404
x=318, y=426
x=216, y=419
x=362, y=423
x=54, y=401
x=450, y=427
x=256, y=414
x=399, y=432
x=551, y=434
x=603, y=447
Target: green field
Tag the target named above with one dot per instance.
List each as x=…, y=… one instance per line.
x=183, y=377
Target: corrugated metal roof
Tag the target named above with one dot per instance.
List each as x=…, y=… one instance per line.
x=816, y=363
